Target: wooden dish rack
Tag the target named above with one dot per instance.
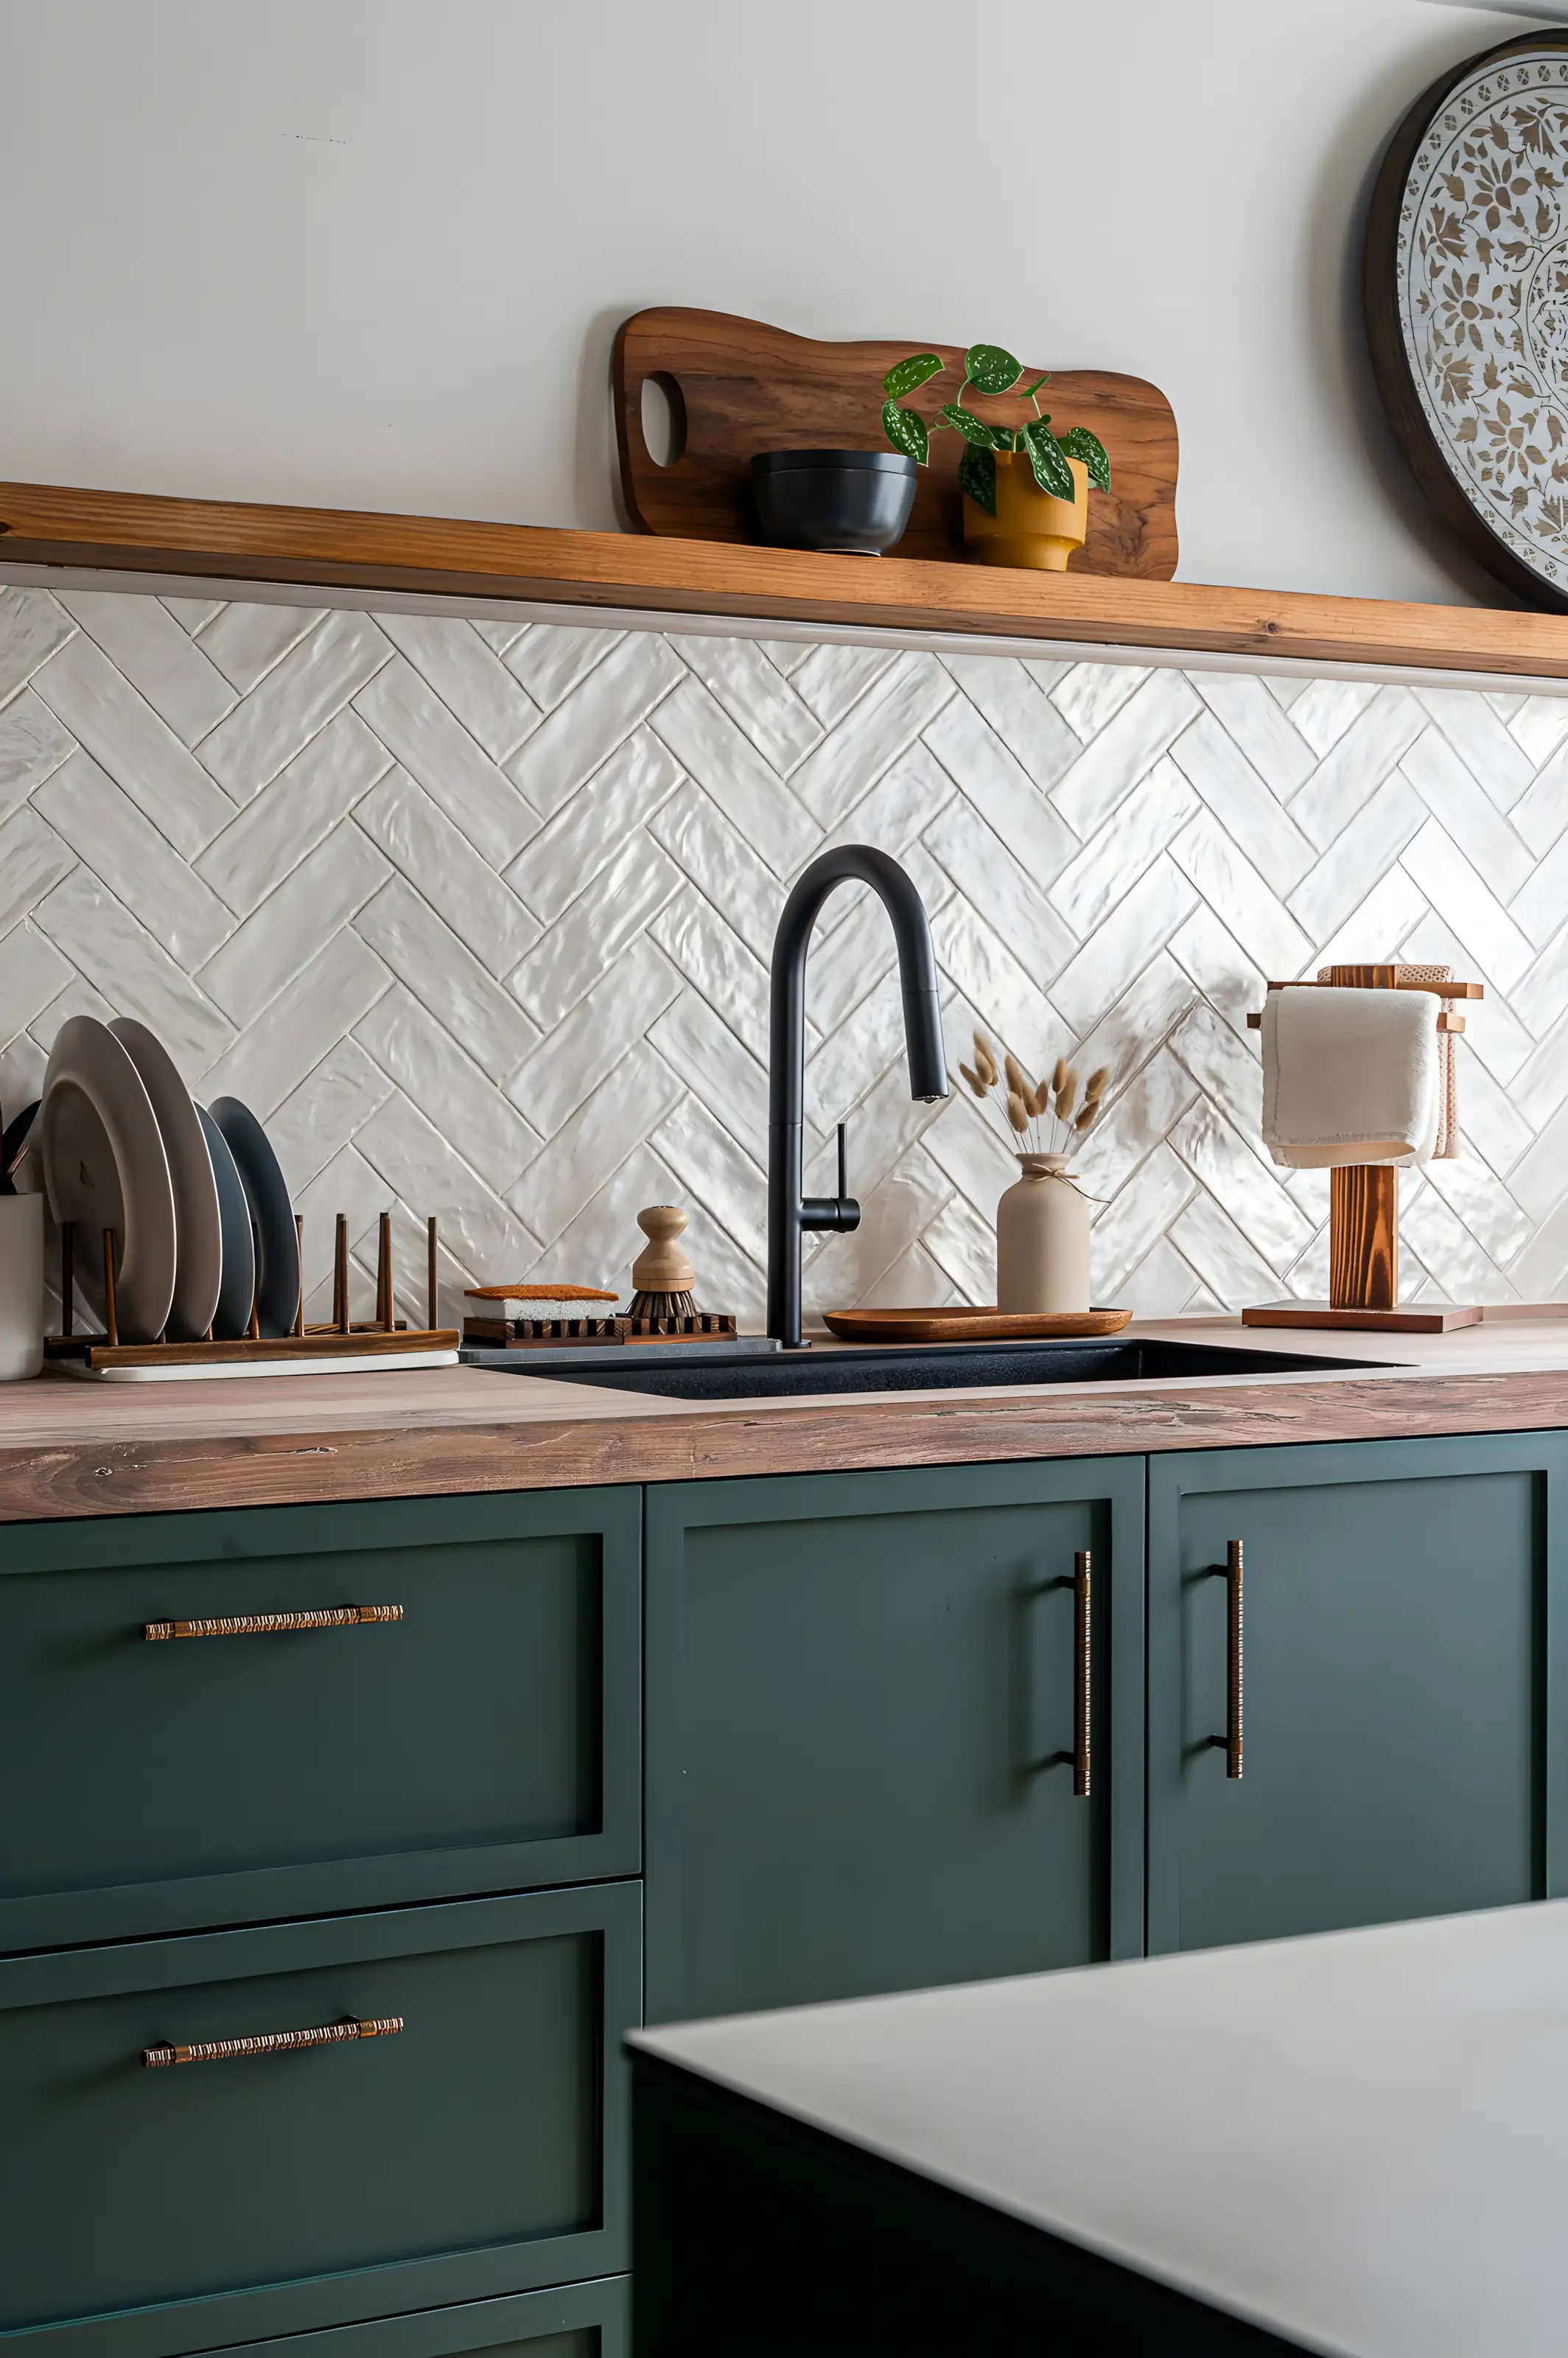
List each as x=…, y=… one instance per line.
x=1364, y=1205
x=383, y=1336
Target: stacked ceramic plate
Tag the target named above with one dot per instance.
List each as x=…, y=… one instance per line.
x=198, y=1209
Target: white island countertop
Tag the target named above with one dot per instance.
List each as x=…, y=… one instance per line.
x=1359, y=2142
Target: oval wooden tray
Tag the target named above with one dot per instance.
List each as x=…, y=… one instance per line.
x=976, y=1325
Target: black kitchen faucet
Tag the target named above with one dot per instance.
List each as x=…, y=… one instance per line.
x=789, y=1212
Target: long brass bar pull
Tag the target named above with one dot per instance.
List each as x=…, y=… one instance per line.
x=1079, y=1758
x=1230, y=1743
x=273, y=2042
x=1083, y=1661
x=266, y=1625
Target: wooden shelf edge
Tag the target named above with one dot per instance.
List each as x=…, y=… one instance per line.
x=127, y=532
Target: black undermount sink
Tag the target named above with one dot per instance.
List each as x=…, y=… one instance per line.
x=936, y=1366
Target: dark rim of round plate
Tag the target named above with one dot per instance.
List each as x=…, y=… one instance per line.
x=271, y=1215
x=11, y=1144
x=237, y=1286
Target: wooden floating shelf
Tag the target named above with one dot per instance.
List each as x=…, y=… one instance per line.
x=43, y=524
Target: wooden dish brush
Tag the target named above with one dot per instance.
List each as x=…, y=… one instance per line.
x=661, y=1274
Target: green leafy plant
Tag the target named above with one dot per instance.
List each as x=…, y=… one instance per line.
x=988, y=369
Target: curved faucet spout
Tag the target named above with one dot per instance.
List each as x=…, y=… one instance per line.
x=790, y=1213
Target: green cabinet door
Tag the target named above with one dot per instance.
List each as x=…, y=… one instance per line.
x=1403, y=1750
x=861, y=1689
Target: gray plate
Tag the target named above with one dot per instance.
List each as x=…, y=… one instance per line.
x=231, y=1318
x=104, y=1167
x=271, y=1215
x=199, y=1254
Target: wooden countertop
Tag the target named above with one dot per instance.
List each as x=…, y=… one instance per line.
x=70, y=1448
x=1356, y=2142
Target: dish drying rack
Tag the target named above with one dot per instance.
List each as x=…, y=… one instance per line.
x=343, y=1341
x=1363, y=1205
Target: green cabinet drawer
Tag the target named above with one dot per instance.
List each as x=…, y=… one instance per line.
x=579, y=2320
x=487, y=1740
x=1401, y=1693
x=479, y=2151
x=861, y=1704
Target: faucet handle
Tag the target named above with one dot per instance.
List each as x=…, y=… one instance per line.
x=839, y=1211
x=845, y=1205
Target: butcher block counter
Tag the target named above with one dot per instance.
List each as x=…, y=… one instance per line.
x=70, y=1448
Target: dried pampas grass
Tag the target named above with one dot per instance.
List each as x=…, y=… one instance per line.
x=1046, y=1115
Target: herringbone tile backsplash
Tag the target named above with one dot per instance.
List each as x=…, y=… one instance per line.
x=476, y=915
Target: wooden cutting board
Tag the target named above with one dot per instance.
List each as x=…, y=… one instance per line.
x=746, y=387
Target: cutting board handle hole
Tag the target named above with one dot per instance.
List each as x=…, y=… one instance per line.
x=663, y=410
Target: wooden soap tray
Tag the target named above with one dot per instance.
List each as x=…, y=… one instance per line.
x=554, y=1334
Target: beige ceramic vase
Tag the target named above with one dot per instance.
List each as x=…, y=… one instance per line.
x=1042, y=1241
x=1029, y=528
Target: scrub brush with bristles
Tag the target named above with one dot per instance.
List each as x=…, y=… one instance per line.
x=661, y=1273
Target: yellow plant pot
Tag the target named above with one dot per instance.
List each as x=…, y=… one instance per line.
x=1029, y=527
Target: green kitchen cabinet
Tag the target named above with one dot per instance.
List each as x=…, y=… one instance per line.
x=1400, y=1692
x=861, y=1712
x=474, y=2146
x=487, y=1739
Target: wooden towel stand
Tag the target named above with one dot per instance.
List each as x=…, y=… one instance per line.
x=1364, y=1207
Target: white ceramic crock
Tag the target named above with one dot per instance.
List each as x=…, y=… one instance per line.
x=21, y=1286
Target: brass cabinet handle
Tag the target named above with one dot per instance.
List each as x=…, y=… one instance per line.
x=1235, y=1662
x=264, y=1625
x=1079, y=1758
x=273, y=2042
x=1083, y=1655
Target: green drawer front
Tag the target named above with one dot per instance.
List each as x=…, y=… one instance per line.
x=579, y=2321
x=489, y=1740
x=481, y=2150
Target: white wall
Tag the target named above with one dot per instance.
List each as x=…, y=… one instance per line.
x=372, y=251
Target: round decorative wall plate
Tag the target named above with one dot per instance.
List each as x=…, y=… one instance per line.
x=1466, y=288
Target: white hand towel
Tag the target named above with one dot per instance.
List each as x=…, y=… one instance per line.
x=1448, y=1081
x=1350, y=1076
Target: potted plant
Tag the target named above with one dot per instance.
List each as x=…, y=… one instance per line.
x=1026, y=488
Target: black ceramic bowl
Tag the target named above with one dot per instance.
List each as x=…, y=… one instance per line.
x=855, y=501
